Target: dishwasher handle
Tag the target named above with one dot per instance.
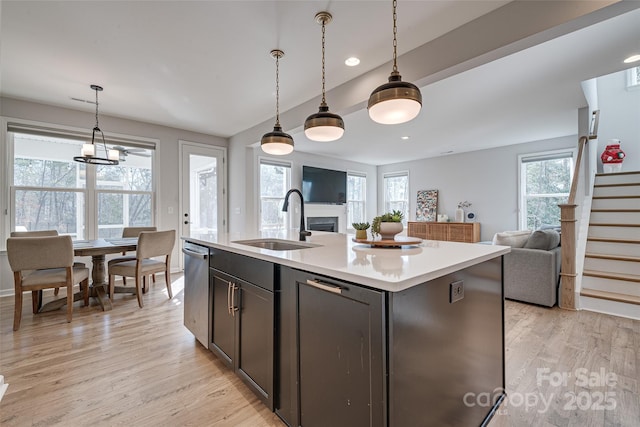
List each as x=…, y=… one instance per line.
x=194, y=253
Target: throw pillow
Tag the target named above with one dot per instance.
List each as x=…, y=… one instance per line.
x=543, y=239
x=515, y=239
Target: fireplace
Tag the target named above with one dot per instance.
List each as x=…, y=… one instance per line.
x=323, y=223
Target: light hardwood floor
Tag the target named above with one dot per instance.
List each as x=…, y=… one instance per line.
x=141, y=367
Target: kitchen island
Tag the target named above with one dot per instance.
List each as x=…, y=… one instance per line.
x=339, y=333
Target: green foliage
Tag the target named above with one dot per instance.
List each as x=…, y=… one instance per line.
x=360, y=225
x=393, y=216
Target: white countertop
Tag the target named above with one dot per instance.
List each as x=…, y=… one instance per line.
x=389, y=269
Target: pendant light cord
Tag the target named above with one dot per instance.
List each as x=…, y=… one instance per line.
x=97, y=108
x=277, y=89
x=324, y=101
x=395, y=37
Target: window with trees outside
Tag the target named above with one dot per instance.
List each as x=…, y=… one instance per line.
x=275, y=181
x=545, y=182
x=396, y=193
x=356, y=198
x=50, y=191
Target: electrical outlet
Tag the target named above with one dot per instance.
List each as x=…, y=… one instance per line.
x=456, y=291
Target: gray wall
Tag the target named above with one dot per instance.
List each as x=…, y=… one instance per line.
x=166, y=153
x=487, y=178
x=619, y=118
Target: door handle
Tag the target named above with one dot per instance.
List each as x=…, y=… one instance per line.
x=325, y=286
x=234, y=288
x=229, y=297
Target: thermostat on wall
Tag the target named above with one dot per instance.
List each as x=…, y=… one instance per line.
x=471, y=217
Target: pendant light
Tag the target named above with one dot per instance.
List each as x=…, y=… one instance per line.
x=323, y=126
x=277, y=142
x=397, y=101
x=89, y=152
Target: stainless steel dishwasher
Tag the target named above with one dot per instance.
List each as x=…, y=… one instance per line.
x=196, y=291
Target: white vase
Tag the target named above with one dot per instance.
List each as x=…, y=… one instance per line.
x=459, y=215
x=388, y=230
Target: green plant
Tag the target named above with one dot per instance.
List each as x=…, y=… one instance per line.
x=393, y=216
x=361, y=225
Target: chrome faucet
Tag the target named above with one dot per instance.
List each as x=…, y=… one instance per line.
x=285, y=207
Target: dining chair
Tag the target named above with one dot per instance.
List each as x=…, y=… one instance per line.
x=43, y=233
x=130, y=232
x=42, y=263
x=151, y=244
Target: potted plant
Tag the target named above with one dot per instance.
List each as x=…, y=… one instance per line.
x=387, y=225
x=361, y=229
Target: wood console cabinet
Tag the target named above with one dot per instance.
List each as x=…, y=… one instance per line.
x=466, y=232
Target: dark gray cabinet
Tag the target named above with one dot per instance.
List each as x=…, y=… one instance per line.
x=337, y=375
x=242, y=326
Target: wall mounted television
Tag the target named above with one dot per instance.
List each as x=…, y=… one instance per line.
x=324, y=185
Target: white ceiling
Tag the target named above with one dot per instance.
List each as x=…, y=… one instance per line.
x=205, y=66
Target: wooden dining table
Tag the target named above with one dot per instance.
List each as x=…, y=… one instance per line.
x=98, y=249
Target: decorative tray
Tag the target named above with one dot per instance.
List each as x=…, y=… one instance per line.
x=396, y=243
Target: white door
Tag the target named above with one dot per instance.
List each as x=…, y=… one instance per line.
x=203, y=189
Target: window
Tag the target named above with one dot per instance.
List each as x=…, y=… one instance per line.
x=52, y=191
x=633, y=78
x=356, y=198
x=545, y=182
x=275, y=180
x=396, y=193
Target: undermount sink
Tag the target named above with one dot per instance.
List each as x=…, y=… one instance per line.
x=276, y=244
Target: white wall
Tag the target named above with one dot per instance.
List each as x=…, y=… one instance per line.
x=486, y=178
x=244, y=185
x=166, y=153
x=619, y=118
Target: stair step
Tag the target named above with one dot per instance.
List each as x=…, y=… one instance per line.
x=613, y=246
x=613, y=232
x=608, y=240
x=611, y=296
x=611, y=285
x=613, y=264
x=614, y=276
x=620, y=177
x=632, y=189
x=614, y=257
x=629, y=216
x=615, y=203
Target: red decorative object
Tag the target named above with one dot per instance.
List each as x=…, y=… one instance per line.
x=612, y=157
x=613, y=153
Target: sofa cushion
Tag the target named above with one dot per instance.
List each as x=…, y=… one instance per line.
x=543, y=239
x=515, y=239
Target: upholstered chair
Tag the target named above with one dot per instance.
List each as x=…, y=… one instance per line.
x=42, y=263
x=151, y=244
x=130, y=232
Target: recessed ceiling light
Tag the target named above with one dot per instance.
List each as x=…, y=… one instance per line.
x=404, y=137
x=632, y=58
x=352, y=61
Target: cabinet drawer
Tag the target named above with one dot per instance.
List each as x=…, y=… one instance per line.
x=252, y=270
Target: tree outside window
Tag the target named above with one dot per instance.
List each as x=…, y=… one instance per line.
x=396, y=193
x=545, y=183
x=275, y=181
x=356, y=198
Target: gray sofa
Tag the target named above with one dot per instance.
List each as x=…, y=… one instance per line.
x=532, y=272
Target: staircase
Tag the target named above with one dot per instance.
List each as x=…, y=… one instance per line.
x=611, y=275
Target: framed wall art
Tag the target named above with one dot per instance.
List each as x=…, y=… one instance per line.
x=427, y=205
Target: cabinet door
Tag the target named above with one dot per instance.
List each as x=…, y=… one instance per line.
x=254, y=361
x=222, y=319
x=341, y=353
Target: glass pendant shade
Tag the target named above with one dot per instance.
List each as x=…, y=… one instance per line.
x=277, y=143
x=324, y=126
x=394, y=102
